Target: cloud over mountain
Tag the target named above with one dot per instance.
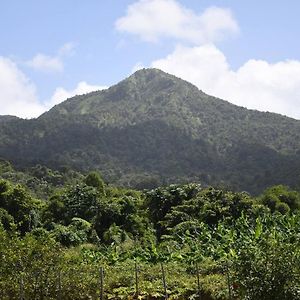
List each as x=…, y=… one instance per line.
x=17, y=93
x=152, y=20
x=256, y=84
x=82, y=87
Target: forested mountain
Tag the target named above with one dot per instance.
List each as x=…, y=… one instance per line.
x=153, y=128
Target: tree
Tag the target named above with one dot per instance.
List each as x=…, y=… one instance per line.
x=81, y=201
x=94, y=179
x=20, y=205
x=281, y=198
x=160, y=201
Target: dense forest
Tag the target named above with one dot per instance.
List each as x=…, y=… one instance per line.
x=154, y=129
x=67, y=235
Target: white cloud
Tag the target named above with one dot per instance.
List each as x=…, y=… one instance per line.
x=257, y=84
x=62, y=94
x=66, y=49
x=47, y=63
x=152, y=20
x=17, y=94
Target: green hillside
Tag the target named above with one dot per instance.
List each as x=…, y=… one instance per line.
x=153, y=128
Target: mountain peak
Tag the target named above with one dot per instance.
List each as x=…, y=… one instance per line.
x=149, y=71
x=148, y=75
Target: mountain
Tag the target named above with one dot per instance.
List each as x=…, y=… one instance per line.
x=5, y=118
x=154, y=128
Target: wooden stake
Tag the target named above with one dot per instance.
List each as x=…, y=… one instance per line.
x=21, y=288
x=101, y=283
x=198, y=282
x=164, y=280
x=228, y=283
x=136, y=279
x=59, y=296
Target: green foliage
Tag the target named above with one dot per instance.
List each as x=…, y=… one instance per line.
x=228, y=239
x=94, y=179
x=80, y=201
x=77, y=232
x=31, y=260
x=20, y=205
x=54, y=211
x=40, y=181
x=281, y=198
x=160, y=201
x=177, y=206
x=6, y=220
x=267, y=265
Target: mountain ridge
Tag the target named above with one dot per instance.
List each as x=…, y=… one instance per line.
x=157, y=127
x=159, y=72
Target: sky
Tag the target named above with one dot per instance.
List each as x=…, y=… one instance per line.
x=246, y=52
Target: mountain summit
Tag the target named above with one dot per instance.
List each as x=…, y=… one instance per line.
x=154, y=128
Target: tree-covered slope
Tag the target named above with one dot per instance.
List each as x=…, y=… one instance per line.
x=153, y=128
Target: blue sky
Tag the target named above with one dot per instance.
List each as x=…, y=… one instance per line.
x=246, y=52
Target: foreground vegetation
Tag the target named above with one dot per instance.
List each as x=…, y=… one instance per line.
x=84, y=239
